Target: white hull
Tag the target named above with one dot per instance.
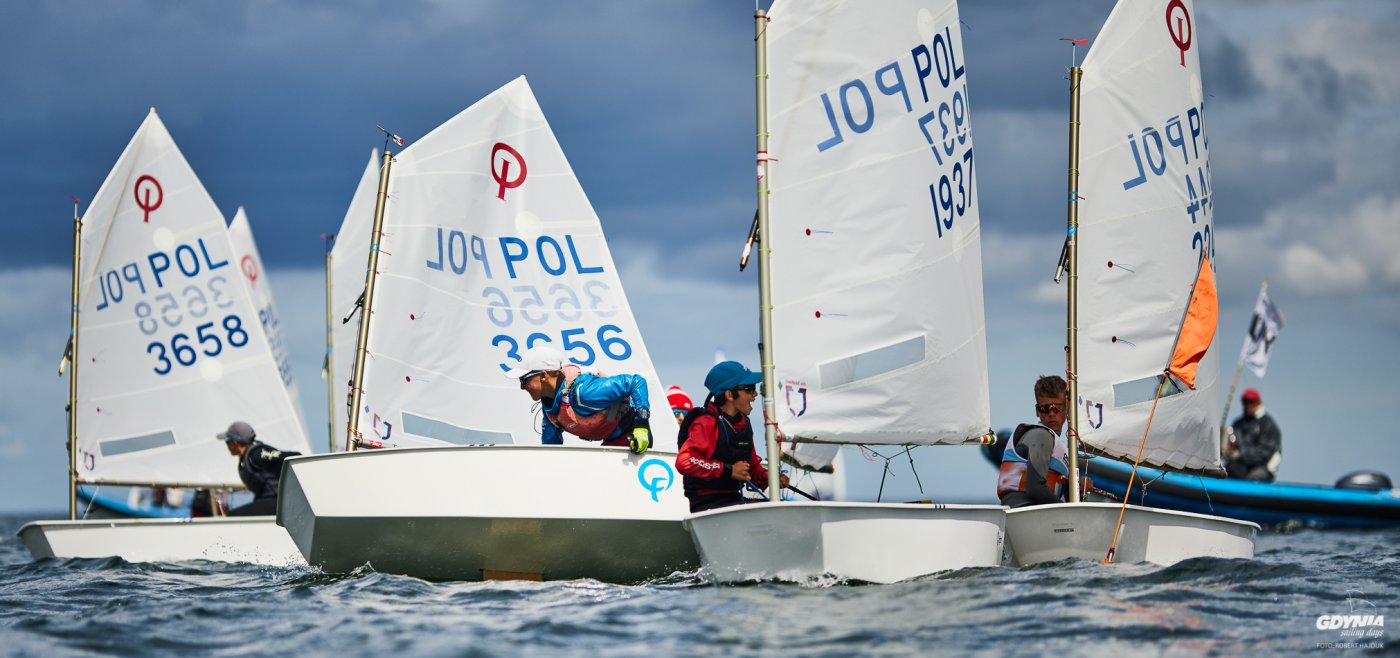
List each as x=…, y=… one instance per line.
x=1046, y=533
x=872, y=542
x=251, y=539
x=484, y=512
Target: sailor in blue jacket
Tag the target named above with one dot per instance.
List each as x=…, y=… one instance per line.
x=615, y=410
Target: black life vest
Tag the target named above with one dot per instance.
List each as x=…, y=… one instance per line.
x=261, y=469
x=732, y=445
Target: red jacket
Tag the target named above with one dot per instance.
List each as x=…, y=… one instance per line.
x=706, y=471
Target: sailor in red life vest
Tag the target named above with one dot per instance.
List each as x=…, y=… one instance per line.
x=614, y=410
x=1034, y=468
x=717, y=454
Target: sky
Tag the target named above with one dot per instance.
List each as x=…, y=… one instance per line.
x=274, y=104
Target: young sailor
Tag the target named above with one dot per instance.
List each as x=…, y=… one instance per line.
x=593, y=407
x=717, y=454
x=259, y=467
x=1034, y=467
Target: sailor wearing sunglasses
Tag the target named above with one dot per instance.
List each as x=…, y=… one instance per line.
x=1034, y=468
x=717, y=454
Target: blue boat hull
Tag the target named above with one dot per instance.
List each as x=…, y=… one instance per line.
x=112, y=502
x=1265, y=503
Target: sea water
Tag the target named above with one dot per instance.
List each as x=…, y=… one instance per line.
x=1287, y=600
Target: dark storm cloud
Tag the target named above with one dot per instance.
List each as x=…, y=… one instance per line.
x=1225, y=66
x=274, y=105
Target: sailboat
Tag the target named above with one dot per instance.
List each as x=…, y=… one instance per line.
x=1140, y=247
x=1359, y=499
x=171, y=352
x=872, y=251
x=255, y=277
x=345, y=280
x=483, y=246
x=144, y=502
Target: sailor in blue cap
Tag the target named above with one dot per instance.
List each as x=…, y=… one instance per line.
x=717, y=454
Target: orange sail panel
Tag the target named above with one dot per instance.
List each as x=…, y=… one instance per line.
x=1197, y=328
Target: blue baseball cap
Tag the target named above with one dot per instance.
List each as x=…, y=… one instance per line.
x=730, y=374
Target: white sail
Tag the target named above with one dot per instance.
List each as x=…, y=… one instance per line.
x=489, y=247
x=348, y=258
x=250, y=265
x=878, y=325
x=1145, y=222
x=171, y=347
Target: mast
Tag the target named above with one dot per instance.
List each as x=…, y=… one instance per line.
x=352, y=433
x=72, y=358
x=765, y=296
x=330, y=346
x=1072, y=305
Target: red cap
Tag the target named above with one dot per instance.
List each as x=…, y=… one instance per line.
x=1250, y=395
x=678, y=399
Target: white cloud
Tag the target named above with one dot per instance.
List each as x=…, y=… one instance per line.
x=1311, y=272
x=1314, y=250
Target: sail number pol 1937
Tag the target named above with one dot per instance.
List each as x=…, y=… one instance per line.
x=944, y=119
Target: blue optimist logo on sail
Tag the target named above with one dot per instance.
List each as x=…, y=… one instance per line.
x=656, y=476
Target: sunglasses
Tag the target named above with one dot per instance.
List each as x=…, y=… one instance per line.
x=747, y=388
x=1051, y=408
x=526, y=377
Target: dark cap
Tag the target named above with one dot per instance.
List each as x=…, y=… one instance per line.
x=1250, y=395
x=730, y=374
x=239, y=431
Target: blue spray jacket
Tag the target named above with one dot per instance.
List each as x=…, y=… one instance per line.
x=588, y=394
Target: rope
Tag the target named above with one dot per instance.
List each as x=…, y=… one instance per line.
x=1118, y=527
x=92, y=500
x=1209, y=505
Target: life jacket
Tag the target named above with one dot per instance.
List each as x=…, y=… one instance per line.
x=260, y=469
x=1015, y=468
x=586, y=422
x=732, y=445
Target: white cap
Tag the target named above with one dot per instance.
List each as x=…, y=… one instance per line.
x=538, y=358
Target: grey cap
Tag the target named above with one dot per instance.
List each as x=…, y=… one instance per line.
x=239, y=431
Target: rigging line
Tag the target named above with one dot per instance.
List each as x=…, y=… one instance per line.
x=92, y=500
x=1142, y=498
x=1118, y=527
x=880, y=495
x=908, y=452
x=1209, y=504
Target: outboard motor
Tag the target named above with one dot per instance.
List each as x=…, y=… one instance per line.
x=1366, y=480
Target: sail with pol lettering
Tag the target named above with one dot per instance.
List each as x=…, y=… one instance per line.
x=471, y=275
x=172, y=351
x=1143, y=364
x=869, y=217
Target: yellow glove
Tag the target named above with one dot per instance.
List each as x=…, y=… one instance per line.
x=640, y=440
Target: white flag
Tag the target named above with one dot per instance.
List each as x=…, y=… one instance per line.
x=1263, y=330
